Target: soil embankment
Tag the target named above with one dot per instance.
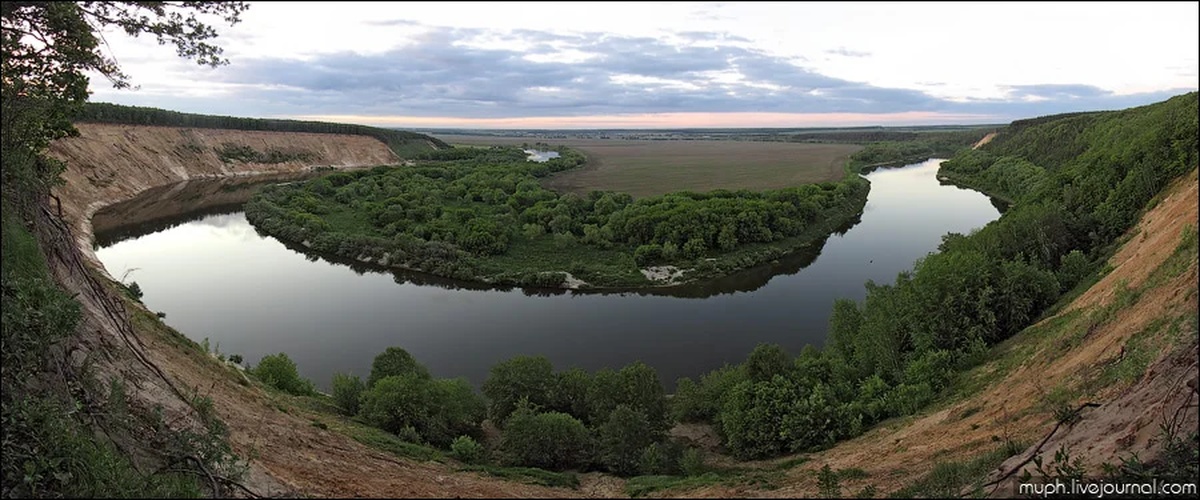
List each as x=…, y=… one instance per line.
x=119, y=339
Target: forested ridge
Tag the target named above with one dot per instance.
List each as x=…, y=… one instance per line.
x=404, y=144
x=1079, y=181
x=480, y=214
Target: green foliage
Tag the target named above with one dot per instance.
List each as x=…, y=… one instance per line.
x=637, y=386
x=696, y=402
x=948, y=479
x=828, y=483
x=347, y=392
x=622, y=439
x=523, y=377
x=437, y=410
x=466, y=450
x=49, y=415
x=529, y=475
x=480, y=214
x=570, y=393
x=404, y=144
x=553, y=441
x=766, y=361
x=395, y=361
x=662, y=459
x=642, y=485
x=230, y=152
x=691, y=463
x=280, y=372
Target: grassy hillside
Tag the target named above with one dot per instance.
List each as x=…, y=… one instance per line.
x=404, y=144
x=1079, y=182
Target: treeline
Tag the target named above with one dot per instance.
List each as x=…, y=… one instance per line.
x=860, y=136
x=610, y=420
x=404, y=144
x=1079, y=182
x=480, y=214
x=888, y=153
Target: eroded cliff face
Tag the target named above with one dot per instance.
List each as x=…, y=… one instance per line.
x=110, y=163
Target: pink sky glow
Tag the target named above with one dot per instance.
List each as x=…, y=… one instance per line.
x=667, y=120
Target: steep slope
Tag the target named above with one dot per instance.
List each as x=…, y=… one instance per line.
x=163, y=371
x=1128, y=345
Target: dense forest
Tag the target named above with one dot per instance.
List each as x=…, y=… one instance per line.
x=1079, y=181
x=404, y=144
x=480, y=214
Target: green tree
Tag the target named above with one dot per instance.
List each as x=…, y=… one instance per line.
x=347, y=389
x=280, y=372
x=438, y=410
x=767, y=361
x=395, y=361
x=635, y=385
x=622, y=438
x=553, y=441
x=522, y=377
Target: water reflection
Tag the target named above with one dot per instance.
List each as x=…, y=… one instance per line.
x=216, y=277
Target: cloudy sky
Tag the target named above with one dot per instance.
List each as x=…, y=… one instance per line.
x=569, y=65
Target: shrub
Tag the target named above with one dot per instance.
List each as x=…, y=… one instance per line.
x=1072, y=268
x=692, y=463
x=622, y=439
x=635, y=385
x=767, y=361
x=395, y=361
x=570, y=393
x=702, y=401
x=752, y=415
x=645, y=255
x=347, y=389
x=522, y=377
x=553, y=441
x=438, y=410
x=466, y=450
x=279, y=371
x=661, y=459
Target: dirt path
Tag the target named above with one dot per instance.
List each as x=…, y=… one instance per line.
x=986, y=139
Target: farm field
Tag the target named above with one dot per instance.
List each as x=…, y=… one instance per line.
x=648, y=167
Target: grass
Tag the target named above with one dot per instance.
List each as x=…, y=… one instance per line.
x=528, y=475
x=642, y=485
x=948, y=479
x=647, y=168
x=762, y=479
x=50, y=447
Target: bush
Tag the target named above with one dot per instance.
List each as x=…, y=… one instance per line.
x=1072, y=268
x=522, y=377
x=553, y=441
x=347, y=389
x=438, y=410
x=661, y=459
x=622, y=439
x=767, y=361
x=752, y=415
x=635, y=385
x=697, y=402
x=692, y=463
x=279, y=371
x=393, y=362
x=466, y=450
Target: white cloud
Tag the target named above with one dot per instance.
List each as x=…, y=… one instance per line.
x=958, y=53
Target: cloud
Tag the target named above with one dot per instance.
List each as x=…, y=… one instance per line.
x=842, y=51
x=482, y=74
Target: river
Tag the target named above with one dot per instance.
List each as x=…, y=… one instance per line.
x=215, y=277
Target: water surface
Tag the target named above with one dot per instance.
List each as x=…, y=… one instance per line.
x=215, y=277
